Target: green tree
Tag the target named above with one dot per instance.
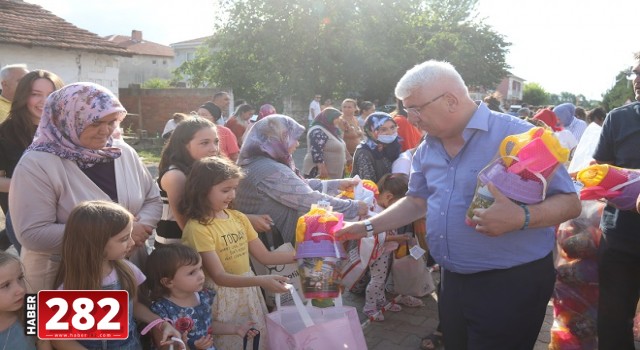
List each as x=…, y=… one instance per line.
x=534, y=94
x=339, y=48
x=156, y=83
x=620, y=93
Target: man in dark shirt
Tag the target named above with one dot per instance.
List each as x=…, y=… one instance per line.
x=619, y=252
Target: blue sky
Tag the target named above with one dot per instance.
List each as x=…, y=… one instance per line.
x=564, y=45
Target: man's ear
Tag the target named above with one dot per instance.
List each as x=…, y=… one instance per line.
x=452, y=101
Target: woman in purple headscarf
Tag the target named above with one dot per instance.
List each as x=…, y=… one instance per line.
x=272, y=184
x=74, y=159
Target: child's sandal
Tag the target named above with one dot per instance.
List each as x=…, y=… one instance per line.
x=374, y=315
x=410, y=301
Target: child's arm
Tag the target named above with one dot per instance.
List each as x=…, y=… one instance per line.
x=213, y=266
x=260, y=252
x=67, y=345
x=220, y=328
x=397, y=238
x=163, y=333
x=43, y=345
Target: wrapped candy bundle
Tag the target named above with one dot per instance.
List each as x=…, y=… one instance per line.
x=527, y=161
x=619, y=186
x=319, y=255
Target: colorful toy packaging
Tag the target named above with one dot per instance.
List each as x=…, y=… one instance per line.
x=575, y=297
x=525, y=164
x=619, y=186
x=319, y=255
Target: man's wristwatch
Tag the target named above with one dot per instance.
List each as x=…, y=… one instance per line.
x=368, y=227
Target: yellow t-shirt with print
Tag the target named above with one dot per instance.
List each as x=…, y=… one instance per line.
x=229, y=238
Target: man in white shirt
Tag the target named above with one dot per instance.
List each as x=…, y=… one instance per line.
x=314, y=107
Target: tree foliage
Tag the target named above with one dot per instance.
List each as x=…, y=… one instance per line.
x=620, y=93
x=156, y=83
x=535, y=95
x=268, y=49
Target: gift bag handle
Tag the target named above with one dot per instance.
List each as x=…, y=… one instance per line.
x=256, y=340
x=304, y=314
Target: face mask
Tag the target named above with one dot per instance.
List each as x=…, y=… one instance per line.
x=388, y=138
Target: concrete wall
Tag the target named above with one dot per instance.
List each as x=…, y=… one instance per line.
x=70, y=65
x=138, y=69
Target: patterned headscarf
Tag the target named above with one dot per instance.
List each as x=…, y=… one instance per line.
x=266, y=110
x=373, y=123
x=326, y=118
x=67, y=113
x=271, y=137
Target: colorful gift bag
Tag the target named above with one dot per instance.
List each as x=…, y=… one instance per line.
x=310, y=328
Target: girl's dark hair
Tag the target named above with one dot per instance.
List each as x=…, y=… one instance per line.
x=175, y=151
x=18, y=126
x=243, y=108
x=396, y=184
x=596, y=115
x=366, y=105
x=205, y=173
x=163, y=263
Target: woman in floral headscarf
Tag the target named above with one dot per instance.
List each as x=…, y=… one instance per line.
x=74, y=159
x=374, y=156
x=326, y=151
x=272, y=184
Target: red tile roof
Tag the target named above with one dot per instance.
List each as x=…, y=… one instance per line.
x=147, y=48
x=26, y=24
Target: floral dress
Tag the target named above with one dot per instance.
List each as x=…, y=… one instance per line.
x=196, y=320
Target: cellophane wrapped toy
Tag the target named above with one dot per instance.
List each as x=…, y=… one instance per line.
x=360, y=253
x=525, y=164
x=318, y=253
x=619, y=186
x=575, y=297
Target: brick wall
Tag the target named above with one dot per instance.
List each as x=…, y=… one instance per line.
x=156, y=106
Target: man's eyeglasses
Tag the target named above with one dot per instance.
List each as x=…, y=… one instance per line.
x=418, y=110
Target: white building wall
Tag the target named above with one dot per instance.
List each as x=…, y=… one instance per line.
x=139, y=68
x=70, y=65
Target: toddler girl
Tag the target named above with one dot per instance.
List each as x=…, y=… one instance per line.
x=224, y=238
x=12, y=291
x=97, y=238
x=175, y=282
x=391, y=187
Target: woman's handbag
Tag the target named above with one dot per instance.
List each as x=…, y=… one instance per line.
x=305, y=327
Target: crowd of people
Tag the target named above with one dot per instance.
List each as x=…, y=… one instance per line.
x=83, y=211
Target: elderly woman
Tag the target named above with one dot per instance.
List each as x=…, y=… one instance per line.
x=73, y=159
x=374, y=156
x=326, y=151
x=272, y=184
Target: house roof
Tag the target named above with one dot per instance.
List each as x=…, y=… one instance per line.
x=30, y=25
x=147, y=48
x=192, y=41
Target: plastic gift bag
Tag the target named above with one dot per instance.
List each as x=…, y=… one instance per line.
x=575, y=296
x=410, y=275
x=304, y=327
